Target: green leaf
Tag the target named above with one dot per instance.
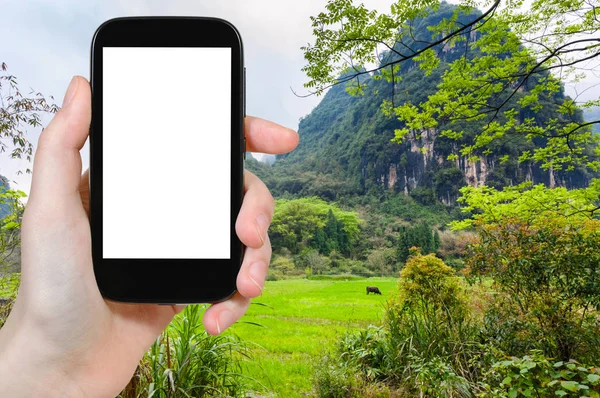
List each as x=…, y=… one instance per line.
x=570, y=385
x=593, y=378
x=11, y=225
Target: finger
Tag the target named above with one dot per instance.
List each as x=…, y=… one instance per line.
x=220, y=316
x=57, y=163
x=252, y=275
x=256, y=212
x=268, y=137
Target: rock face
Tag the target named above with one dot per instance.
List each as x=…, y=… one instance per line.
x=348, y=139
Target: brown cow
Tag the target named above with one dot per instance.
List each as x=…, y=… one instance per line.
x=373, y=289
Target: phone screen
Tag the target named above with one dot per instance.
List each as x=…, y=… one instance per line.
x=166, y=152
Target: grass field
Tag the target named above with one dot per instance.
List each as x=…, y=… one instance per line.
x=302, y=319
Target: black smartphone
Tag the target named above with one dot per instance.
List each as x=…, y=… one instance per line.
x=166, y=158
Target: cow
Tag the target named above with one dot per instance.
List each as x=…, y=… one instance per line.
x=373, y=289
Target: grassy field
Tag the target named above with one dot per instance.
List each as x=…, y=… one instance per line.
x=302, y=319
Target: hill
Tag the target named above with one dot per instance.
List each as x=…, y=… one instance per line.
x=346, y=151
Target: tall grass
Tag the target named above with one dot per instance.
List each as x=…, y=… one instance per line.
x=185, y=361
x=428, y=346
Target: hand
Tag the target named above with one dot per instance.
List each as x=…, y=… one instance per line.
x=62, y=338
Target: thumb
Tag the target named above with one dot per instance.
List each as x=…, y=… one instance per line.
x=57, y=162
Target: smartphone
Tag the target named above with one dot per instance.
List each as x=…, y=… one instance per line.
x=167, y=155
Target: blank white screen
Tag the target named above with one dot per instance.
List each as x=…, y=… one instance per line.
x=166, y=152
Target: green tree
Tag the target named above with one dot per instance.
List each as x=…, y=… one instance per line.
x=381, y=261
x=500, y=72
x=529, y=203
x=10, y=224
x=541, y=248
x=331, y=233
x=421, y=236
x=546, y=275
x=312, y=222
x=437, y=243
x=403, y=245
x=10, y=241
x=18, y=112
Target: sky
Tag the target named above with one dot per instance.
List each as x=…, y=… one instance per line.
x=46, y=42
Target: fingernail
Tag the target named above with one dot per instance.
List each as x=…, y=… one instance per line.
x=263, y=225
x=225, y=320
x=257, y=273
x=71, y=90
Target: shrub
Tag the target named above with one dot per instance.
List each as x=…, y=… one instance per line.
x=312, y=259
x=358, y=268
x=436, y=377
x=356, y=368
x=334, y=380
x=548, y=289
x=381, y=261
x=430, y=327
x=427, y=347
x=454, y=244
x=537, y=376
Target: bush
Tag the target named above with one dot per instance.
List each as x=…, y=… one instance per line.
x=381, y=261
x=537, y=376
x=427, y=347
x=454, y=244
x=431, y=324
x=273, y=275
x=548, y=292
x=436, y=377
x=313, y=260
x=355, y=369
x=281, y=267
x=332, y=380
x=358, y=268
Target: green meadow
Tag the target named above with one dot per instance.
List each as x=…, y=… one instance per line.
x=296, y=321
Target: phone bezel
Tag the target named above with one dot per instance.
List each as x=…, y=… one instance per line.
x=166, y=281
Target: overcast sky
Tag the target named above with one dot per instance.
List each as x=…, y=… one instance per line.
x=46, y=42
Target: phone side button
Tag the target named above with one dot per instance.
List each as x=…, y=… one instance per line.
x=244, y=148
x=244, y=99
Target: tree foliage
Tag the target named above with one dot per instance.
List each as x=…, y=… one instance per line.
x=312, y=222
x=547, y=274
x=421, y=236
x=11, y=211
x=502, y=70
x=530, y=204
x=18, y=112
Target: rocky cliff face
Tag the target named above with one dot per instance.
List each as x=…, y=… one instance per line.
x=346, y=141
